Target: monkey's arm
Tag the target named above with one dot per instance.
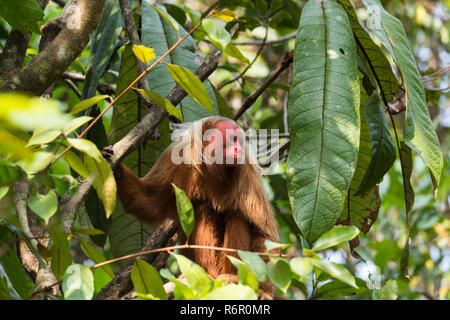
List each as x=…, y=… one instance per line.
x=148, y=203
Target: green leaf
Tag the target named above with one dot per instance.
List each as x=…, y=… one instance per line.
x=372, y=55
x=168, y=18
x=25, y=238
x=78, y=283
x=335, y=236
x=30, y=113
x=96, y=256
x=126, y=233
x=12, y=145
x=16, y=273
x=85, y=104
x=91, y=232
x=224, y=109
x=182, y=291
x=3, y=191
x=163, y=103
x=361, y=211
x=23, y=15
x=231, y=292
x=157, y=33
x=104, y=183
x=75, y=124
x=419, y=133
x=196, y=277
x=235, y=52
x=146, y=280
x=279, y=272
x=43, y=137
x=390, y=290
x=302, y=267
x=191, y=84
x=103, y=180
x=246, y=277
x=383, y=148
x=407, y=167
x=254, y=263
x=270, y=245
x=103, y=47
x=335, y=270
x=144, y=53
x=76, y=164
x=216, y=33
x=185, y=211
x=323, y=117
x=45, y=206
x=335, y=289
x=61, y=260
x=36, y=161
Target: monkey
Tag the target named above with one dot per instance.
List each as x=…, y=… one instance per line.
x=211, y=163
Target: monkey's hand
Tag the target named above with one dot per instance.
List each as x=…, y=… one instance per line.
x=107, y=153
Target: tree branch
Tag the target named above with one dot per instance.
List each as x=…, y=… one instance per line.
x=135, y=40
x=45, y=68
x=121, y=284
x=288, y=58
x=13, y=54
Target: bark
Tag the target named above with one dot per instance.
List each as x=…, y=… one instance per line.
x=80, y=18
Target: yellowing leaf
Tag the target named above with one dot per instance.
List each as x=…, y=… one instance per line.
x=102, y=175
x=144, y=53
x=83, y=105
x=225, y=15
x=234, y=52
x=191, y=84
x=163, y=103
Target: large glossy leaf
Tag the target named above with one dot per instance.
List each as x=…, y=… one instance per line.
x=158, y=34
x=126, y=234
x=419, y=133
x=102, y=46
x=382, y=145
x=23, y=15
x=323, y=117
x=372, y=55
x=361, y=211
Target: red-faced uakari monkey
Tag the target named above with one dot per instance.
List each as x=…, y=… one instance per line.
x=211, y=164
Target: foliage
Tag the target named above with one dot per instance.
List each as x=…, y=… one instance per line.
x=362, y=200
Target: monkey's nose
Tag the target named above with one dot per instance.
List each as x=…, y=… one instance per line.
x=237, y=149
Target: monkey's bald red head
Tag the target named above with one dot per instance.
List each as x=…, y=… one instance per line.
x=227, y=140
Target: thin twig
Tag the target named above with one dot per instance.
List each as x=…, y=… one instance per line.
x=288, y=58
x=220, y=87
x=183, y=246
x=287, y=37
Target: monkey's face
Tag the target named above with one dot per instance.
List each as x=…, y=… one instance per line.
x=225, y=144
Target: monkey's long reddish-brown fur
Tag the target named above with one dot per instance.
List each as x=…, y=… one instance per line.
x=231, y=212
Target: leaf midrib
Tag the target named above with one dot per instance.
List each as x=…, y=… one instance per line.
x=323, y=115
